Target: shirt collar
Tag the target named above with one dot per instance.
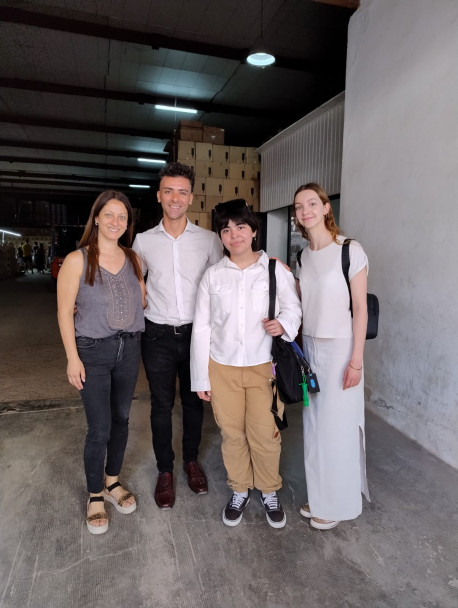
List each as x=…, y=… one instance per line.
x=263, y=260
x=190, y=227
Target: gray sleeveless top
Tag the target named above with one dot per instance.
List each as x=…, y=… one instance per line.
x=111, y=305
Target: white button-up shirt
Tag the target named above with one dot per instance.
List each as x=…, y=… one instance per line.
x=231, y=305
x=175, y=267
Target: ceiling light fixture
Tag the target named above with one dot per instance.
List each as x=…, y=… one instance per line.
x=3, y=231
x=137, y=186
x=176, y=109
x=151, y=160
x=260, y=56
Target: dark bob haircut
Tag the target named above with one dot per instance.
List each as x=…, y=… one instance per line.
x=239, y=212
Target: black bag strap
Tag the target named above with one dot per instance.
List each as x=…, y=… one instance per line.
x=346, y=267
x=272, y=288
x=298, y=257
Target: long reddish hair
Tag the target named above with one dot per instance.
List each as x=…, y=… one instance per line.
x=91, y=234
x=329, y=220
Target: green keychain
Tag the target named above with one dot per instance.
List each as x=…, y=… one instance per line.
x=304, y=391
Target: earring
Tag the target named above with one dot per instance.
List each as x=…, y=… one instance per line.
x=96, y=223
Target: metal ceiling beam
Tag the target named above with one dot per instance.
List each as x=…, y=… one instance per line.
x=156, y=41
x=56, y=184
x=353, y=4
x=72, y=176
x=76, y=163
x=32, y=145
x=82, y=126
x=140, y=98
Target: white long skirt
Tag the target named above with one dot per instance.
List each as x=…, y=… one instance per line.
x=334, y=440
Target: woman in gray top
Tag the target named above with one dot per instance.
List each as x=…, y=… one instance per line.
x=103, y=280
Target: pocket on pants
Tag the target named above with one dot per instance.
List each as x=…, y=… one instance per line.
x=152, y=333
x=84, y=343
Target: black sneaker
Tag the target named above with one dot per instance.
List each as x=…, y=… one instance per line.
x=233, y=511
x=274, y=512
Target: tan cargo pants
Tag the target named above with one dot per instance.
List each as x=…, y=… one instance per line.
x=241, y=402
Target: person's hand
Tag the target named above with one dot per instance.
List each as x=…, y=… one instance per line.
x=352, y=376
x=273, y=327
x=204, y=395
x=76, y=373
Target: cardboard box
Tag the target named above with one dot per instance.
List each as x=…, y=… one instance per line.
x=190, y=134
x=203, y=168
x=190, y=130
x=252, y=191
x=242, y=189
x=214, y=186
x=198, y=203
x=189, y=163
x=211, y=202
x=236, y=171
x=220, y=170
x=204, y=220
x=231, y=189
x=252, y=157
x=204, y=151
x=252, y=172
x=190, y=124
x=199, y=186
x=186, y=150
x=213, y=135
x=236, y=154
x=220, y=154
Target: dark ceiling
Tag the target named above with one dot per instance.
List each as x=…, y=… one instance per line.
x=79, y=80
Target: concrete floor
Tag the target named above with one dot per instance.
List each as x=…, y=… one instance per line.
x=401, y=553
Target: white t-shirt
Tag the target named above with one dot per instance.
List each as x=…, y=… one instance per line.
x=324, y=292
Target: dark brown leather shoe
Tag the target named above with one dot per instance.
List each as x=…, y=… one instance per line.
x=196, y=477
x=164, y=494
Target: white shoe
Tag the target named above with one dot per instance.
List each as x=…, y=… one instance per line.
x=305, y=510
x=324, y=525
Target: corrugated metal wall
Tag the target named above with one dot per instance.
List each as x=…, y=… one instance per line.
x=308, y=150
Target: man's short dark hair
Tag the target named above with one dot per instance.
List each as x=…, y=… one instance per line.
x=177, y=170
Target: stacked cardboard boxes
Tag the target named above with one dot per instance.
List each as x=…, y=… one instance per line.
x=222, y=172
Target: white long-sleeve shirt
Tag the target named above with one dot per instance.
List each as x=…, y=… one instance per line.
x=231, y=305
x=175, y=267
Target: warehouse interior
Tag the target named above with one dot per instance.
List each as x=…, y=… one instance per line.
x=78, y=85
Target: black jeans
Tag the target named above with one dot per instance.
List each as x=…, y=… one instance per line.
x=111, y=366
x=165, y=352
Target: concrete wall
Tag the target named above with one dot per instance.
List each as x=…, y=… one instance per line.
x=277, y=234
x=399, y=198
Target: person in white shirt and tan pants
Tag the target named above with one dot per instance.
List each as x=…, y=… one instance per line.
x=231, y=358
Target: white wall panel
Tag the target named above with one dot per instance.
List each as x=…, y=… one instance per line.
x=308, y=150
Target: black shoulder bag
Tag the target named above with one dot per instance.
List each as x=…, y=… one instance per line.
x=293, y=375
x=372, y=300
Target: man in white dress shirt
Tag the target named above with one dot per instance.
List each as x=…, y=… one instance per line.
x=176, y=254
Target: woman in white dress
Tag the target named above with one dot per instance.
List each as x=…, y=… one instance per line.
x=333, y=340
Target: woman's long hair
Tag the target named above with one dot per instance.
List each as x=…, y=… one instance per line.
x=329, y=221
x=91, y=234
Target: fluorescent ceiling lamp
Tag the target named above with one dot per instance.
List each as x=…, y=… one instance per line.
x=175, y=109
x=137, y=186
x=260, y=58
x=152, y=160
x=9, y=232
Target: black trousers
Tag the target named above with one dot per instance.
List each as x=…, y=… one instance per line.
x=165, y=352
